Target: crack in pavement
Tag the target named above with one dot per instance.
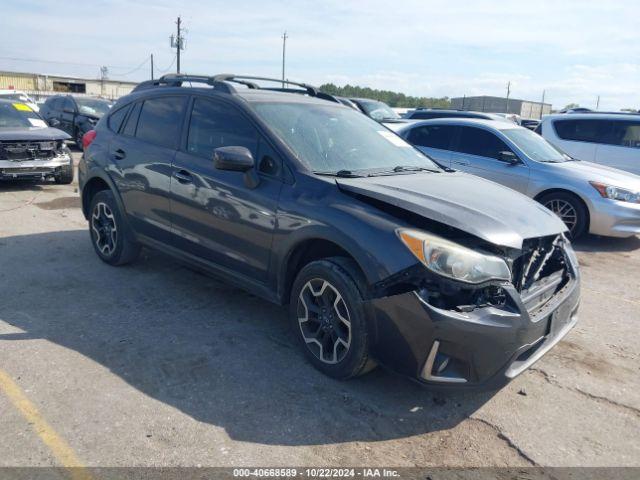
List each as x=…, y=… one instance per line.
x=597, y=398
x=502, y=436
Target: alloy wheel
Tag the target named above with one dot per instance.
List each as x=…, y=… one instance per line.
x=324, y=321
x=565, y=211
x=105, y=231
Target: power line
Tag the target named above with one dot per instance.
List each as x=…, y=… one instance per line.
x=135, y=69
x=57, y=62
x=164, y=70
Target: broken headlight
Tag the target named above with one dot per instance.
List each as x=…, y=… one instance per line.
x=452, y=260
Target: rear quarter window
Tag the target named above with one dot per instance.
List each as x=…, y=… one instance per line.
x=582, y=130
x=117, y=117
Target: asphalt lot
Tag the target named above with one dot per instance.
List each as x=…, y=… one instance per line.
x=153, y=364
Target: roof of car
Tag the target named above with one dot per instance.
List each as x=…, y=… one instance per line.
x=238, y=86
x=472, y=122
x=592, y=116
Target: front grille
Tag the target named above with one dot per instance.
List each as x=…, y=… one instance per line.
x=22, y=151
x=541, y=271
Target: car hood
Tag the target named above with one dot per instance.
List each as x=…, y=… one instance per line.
x=32, y=134
x=482, y=208
x=593, y=172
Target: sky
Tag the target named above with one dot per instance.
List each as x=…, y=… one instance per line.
x=574, y=51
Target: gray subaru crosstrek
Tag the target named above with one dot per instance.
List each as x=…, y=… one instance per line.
x=382, y=256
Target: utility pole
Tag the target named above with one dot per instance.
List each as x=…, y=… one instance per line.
x=284, y=47
x=177, y=42
x=104, y=71
x=542, y=103
x=152, y=66
x=508, y=92
x=598, y=103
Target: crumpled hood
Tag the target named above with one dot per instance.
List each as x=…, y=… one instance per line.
x=477, y=206
x=32, y=134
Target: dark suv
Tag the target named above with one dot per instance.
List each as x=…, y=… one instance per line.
x=381, y=255
x=74, y=115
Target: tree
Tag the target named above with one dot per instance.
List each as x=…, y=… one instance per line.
x=393, y=99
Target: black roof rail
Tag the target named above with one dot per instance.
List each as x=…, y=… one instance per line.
x=176, y=80
x=222, y=81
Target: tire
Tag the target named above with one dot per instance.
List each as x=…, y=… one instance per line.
x=65, y=176
x=78, y=140
x=576, y=215
x=111, y=238
x=335, y=285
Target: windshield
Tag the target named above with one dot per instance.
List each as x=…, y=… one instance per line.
x=329, y=138
x=93, y=106
x=19, y=115
x=534, y=146
x=378, y=110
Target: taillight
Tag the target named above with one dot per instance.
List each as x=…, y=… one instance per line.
x=87, y=138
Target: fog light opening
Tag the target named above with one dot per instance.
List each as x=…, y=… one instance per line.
x=440, y=367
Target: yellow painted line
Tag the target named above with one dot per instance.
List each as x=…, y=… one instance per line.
x=58, y=446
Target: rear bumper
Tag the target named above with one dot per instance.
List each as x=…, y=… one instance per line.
x=614, y=219
x=34, y=169
x=486, y=348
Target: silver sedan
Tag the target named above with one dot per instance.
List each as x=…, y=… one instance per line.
x=588, y=197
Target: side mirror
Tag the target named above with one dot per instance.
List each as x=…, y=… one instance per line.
x=54, y=122
x=508, y=157
x=237, y=159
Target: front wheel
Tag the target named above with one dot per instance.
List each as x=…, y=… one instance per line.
x=570, y=209
x=110, y=236
x=329, y=318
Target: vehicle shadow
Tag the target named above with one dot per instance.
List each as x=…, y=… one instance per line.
x=596, y=243
x=212, y=351
x=22, y=185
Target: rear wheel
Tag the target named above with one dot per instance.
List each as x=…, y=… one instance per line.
x=570, y=209
x=329, y=318
x=112, y=240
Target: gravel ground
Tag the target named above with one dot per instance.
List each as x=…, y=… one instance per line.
x=153, y=364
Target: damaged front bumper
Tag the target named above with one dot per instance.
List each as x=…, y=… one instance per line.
x=484, y=347
x=34, y=169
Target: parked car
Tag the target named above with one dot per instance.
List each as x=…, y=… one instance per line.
x=576, y=110
x=530, y=123
x=29, y=149
x=586, y=196
x=608, y=139
x=382, y=256
x=379, y=111
x=348, y=103
x=75, y=115
x=429, y=113
x=19, y=96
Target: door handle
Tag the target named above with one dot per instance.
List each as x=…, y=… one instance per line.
x=183, y=176
x=119, y=154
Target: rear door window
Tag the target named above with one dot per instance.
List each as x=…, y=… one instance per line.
x=432, y=136
x=160, y=120
x=582, y=130
x=476, y=141
x=132, y=121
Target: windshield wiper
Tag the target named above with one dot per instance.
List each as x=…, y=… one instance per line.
x=339, y=173
x=404, y=168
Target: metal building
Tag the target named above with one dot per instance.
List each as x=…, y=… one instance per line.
x=484, y=103
x=41, y=85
